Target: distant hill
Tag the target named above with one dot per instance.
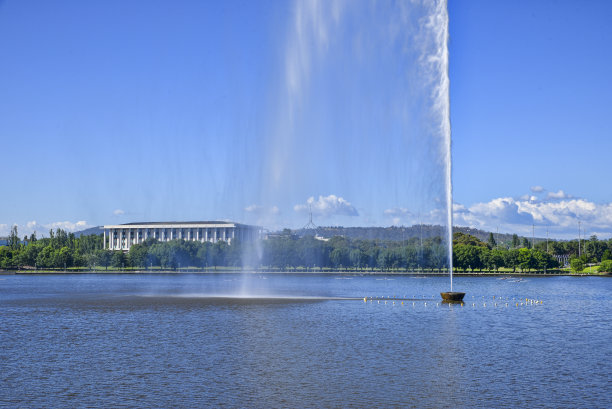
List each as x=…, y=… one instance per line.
x=396, y=233
x=88, y=232
x=393, y=233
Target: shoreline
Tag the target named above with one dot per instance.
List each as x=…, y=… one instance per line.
x=556, y=273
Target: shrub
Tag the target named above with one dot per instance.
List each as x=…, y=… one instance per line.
x=606, y=266
x=577, y=265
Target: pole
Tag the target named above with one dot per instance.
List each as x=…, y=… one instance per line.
x=497, y=241
x=578, y=238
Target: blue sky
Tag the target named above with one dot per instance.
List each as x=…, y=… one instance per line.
x=114, y=111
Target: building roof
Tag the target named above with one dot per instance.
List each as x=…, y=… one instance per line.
x=159, y=223
x=180, y=224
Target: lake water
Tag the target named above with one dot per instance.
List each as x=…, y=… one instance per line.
x=281, y=340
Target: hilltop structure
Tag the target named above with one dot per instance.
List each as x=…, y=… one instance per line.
x=123, y=236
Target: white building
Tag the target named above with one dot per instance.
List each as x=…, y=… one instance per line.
x=123, y=236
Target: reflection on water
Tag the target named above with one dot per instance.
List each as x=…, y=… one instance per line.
x=302, y=341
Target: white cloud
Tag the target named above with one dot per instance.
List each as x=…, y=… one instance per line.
x=118, y=212
x=34, y=226
x=69, y=226
x=559, y=215
x=259, y=210
x=537, y=189
x=331, y=205
x=43, y=229
x=558, y=195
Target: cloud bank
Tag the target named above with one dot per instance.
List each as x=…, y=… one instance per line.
x=43, y=229
x=558, y=213
x=327, y=206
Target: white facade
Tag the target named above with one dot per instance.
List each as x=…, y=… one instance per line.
x=123, y=236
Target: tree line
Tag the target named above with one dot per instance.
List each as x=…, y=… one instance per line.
x=62, y=250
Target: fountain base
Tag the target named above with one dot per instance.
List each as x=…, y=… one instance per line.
x=453, y=296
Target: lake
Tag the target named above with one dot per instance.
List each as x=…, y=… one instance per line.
x=309, y=340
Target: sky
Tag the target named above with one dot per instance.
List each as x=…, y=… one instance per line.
x=260, y=112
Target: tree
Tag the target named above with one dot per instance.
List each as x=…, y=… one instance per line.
x=138, y=255
x=13, y=240
x=526, y=243
x=495, y=259
x=511, y=259
x=28, y=255
x=515, y=241
x=63, y=258
x=525, y=259
x=577, y=265
x=339, y=257
x=465, y=257
x=103, y=258
x=543, y=260
x=492, y=243
x=118, y=259
x=467, y=239
x=606, y=266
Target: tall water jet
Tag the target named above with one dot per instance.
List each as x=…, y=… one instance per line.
x=442, y=98
x=356, y=129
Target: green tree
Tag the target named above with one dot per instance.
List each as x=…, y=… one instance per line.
x=137, y=255
x=526, y=243
x=118, y=259
x=467, y=239
x=63, y=258
x=29, y=254
x=511, y=259
x=525, y=259
x=606, y=266
x=515, y=241
x=467, y=257
x=495, y=259
x=492, y=243
x=13, y=240
x=577, y=265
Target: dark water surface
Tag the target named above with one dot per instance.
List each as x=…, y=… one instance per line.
x=303, y=341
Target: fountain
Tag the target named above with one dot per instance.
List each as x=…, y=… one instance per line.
x=358, y=127
x=443, y=101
